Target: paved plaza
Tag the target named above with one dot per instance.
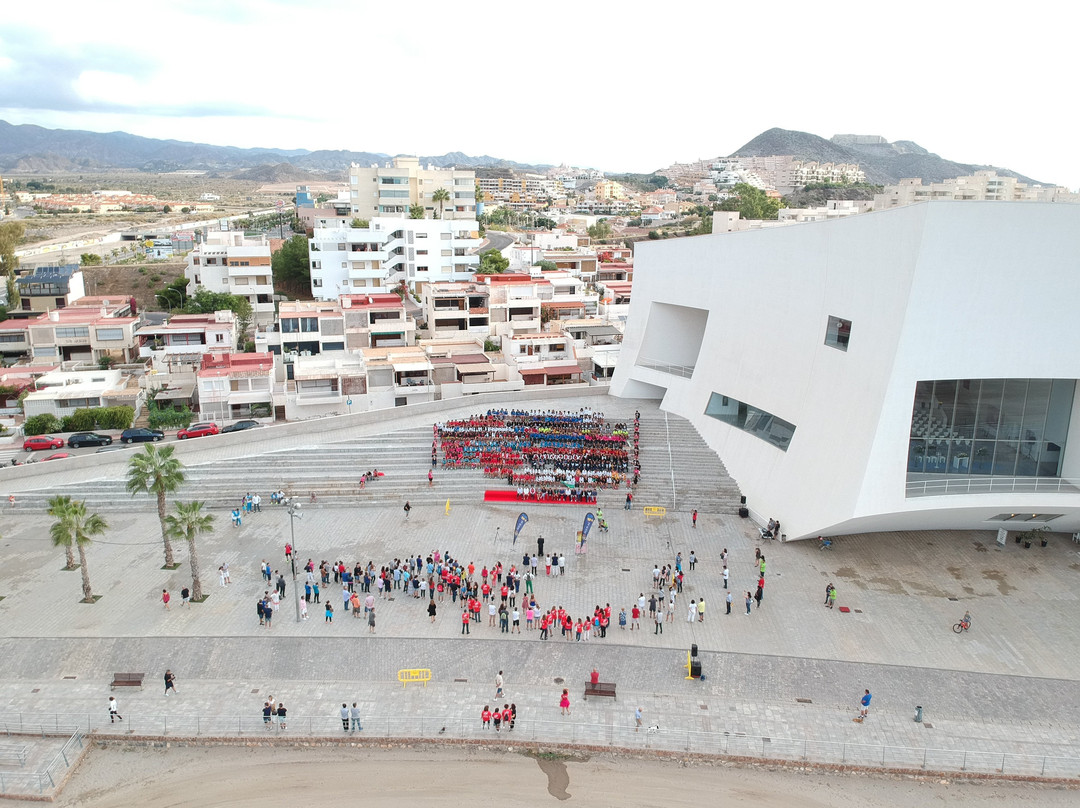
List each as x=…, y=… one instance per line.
x=792, y=669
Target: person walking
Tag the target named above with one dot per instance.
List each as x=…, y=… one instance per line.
x=637, y=719
x=114, y=710
x=564, y=702
x=865, y=703
x=344, y=717
x=431, y=609
x=170, y=682
x=693, y=517
x=430, y=478
x=499, y=685
x=165, y=598
x=407, y=508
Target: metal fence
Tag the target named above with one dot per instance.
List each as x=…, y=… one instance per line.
x=981, y=484
x=686, y=371
x=45, y=778
x=570, y=733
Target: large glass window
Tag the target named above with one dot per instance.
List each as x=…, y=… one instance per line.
x=750, y=419
x=1003, y=427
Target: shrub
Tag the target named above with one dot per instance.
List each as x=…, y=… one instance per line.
x=81, y=420
x=42, y=424
x=169, y=418
x=114, y=417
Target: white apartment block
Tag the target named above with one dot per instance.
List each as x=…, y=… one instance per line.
x=231, y=263
x=833, y=209
x=391, y=189
x=786, y=173
x=372, y=259
x=983, y=186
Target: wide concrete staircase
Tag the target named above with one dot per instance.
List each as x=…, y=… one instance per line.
x=679, y=471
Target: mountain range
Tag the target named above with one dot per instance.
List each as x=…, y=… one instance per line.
x=27, y=148
x=30, y=148
x=884, y=163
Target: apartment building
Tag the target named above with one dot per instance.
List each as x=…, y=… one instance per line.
x=235, y=385
x=352, y=322
x=324, y=385
x=391, y=189
x=186, y=337
x=785, y=173
x=520, y=191
x=515, y=302
x=76, y=333
x=983, y=186
x=61, y=393
x=51, y=287
x=387, y=250
x=232, y=263
x=455, y=307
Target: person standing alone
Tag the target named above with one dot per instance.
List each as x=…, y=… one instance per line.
x=170, y=682
x=865, y=703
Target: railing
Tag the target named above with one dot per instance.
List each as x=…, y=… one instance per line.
x=43, y=779
x=976, y=484
x=686, y=371
x=730, y=744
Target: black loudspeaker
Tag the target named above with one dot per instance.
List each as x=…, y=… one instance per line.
x=693, y=650
x=744, y=512
x=695, y=668
x=742, y=500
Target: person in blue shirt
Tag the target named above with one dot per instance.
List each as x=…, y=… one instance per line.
x=865, y=702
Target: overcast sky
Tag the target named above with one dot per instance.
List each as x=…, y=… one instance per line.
x=620, y=86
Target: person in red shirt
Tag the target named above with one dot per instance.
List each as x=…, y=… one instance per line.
x=484, y=573
x=485, y=590
x=465, y=621
x=497, y=717
x=472, y=569
x=507, y=717
x=504, y=592
x=594, y=677
x=485, y=717
x=635, y=616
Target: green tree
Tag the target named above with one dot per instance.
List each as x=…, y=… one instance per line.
x=205, y=302
x=546, y=223
x=11, y=234
x=600, y=231
x=155, y=471
x=89, y=259
x=492, y=262
x=416, y=211
x=441, y=195
x=186, y=524
x=359, y=223
x=42, y=424
x=291, y=264
x=546, y=265
x=74, y=526
x=752, y=203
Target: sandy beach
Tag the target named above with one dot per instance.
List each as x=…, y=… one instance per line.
x=198, y=777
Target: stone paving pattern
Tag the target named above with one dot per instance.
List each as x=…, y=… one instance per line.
x=1008, y=685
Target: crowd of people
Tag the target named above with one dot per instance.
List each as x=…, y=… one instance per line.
x=542, y=452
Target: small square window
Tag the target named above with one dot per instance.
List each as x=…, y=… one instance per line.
x=316, y=282
x=838, y=333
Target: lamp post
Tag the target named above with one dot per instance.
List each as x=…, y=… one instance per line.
x=294, y=514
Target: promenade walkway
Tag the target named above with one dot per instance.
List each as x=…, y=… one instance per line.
x=782, y=682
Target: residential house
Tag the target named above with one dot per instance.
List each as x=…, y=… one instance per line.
x=46, y=288
x=231, y=263
x=235, y=385
x=61, y=393
x=456, y=307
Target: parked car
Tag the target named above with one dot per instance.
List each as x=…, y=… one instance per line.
x=240, y=426
x=88, y=439
x=56, y=456
x=198, y=431
x=141, y=435
x=42, y=442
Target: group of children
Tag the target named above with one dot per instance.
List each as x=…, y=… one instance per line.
x=507, y=716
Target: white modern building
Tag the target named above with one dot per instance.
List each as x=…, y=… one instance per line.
x=902, y=370
x=229, y=262
x=375, y=257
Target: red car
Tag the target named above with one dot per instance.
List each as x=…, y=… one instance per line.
x=42, y=442
x=198, y=431
x=57, y=456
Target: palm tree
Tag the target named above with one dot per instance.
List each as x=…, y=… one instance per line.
x=154, y=470
x=441, y=195
x=187, y=523
x=75, y=526
x=58, y=508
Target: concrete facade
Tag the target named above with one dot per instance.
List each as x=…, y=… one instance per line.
x=740, y=325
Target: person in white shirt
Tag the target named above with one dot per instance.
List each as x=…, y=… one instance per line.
x=114, y=710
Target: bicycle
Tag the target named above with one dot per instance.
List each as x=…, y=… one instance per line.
x=963, y=625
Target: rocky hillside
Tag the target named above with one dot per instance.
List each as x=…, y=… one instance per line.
x=884, y=163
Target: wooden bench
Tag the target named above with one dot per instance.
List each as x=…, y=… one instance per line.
x=13, y=753
x=126, y=680
x=600, y=689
